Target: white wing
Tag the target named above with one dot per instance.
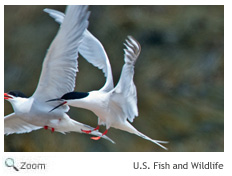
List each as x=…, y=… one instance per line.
x=13, y=124
x=92, y=50
x=60, y=64
x=58, y=16
x=125, y=94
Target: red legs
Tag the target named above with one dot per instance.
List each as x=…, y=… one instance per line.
x=52, y=129
x=99, y=137
x=46, y=128
x=95, y=138
x=89, y=131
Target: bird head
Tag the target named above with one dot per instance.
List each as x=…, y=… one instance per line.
x=14, y=95
x=67, y=97
x=16, y=98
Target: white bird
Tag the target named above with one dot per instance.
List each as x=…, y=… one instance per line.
x=57, y=78
x=114, y=106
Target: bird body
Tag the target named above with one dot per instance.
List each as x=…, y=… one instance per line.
x=116, y=106
x=34, y=112
x=57, y=78
x=109, y=112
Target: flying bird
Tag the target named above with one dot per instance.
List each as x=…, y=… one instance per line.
x=57, y=78
x=114, y=106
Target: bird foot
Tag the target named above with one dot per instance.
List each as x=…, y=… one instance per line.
x=99, y=137
x=89, y=131
x=46, y=128
x=96, y=138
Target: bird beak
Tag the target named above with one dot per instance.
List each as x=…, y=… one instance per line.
x=57, y=99
x=58, y=106
x=7, y=96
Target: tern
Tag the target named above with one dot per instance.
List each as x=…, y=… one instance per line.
x=57, y=78
x=114, y=106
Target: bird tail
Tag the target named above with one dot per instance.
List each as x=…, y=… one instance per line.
x=129, y=128
x=71, y=125
x=157, y=142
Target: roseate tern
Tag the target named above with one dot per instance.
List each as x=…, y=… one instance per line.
x=57, y=78
x=113, y=105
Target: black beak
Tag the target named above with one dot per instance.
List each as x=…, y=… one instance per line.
x=57, y=99
x=58, y=106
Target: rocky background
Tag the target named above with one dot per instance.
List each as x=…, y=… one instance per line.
x=179, y=75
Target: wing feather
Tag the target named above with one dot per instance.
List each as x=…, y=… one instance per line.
x=125, y=93
x=60, y=64
x=13, y=124
x=92, y=50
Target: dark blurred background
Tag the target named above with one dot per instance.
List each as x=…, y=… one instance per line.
x=179, y=75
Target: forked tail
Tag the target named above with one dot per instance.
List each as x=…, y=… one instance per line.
x=157, y=142
x=129, y=128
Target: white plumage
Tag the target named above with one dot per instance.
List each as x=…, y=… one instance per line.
x=91, y=49
x=57, y=78
x=114, y=106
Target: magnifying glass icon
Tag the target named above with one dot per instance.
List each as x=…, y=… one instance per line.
x=9, y=162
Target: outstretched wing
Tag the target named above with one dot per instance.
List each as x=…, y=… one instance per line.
x=13, y=124
x=60, y=64
x=92, y=50
x=124, y=94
